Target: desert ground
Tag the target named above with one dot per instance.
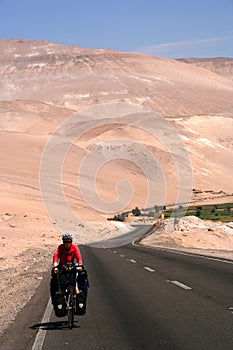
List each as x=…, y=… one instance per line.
x=28, y=240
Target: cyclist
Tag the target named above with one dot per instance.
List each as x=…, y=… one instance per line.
x=67, y=252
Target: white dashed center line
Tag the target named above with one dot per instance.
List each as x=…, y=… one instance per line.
x=179, y=284
x=133, y=261
x=149, y=269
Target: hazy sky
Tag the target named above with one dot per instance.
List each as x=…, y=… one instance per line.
x=170, y=28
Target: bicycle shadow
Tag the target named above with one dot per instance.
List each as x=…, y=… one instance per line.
x=52, y=326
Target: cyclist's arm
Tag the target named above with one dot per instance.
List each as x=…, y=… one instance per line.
x=56, y=260
x=78, y=255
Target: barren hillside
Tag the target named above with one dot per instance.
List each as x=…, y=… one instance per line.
x=44, y=83
x=220, y=65
x=75, y=77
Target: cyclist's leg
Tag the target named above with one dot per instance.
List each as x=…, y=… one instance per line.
x=83, y=281
x=74, y=282
x=62, y=283
x=77, y=291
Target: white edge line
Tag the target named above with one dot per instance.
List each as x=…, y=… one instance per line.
x=179, y=284
x=39, y=341
x=187, y=253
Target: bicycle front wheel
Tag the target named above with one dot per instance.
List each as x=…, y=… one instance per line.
x=70, y=305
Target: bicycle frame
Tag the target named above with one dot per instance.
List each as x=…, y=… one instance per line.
x=69, y=296
x=71, y=304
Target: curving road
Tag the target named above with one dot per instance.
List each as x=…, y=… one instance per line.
x=139, y=298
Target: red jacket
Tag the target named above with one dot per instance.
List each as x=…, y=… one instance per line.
x=62, y=256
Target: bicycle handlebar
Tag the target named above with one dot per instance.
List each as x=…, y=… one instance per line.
x=69, y=266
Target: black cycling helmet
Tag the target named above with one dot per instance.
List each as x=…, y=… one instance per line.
x=67, y=237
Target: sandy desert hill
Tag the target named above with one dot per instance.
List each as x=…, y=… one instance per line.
x=97, y=132
x=42, y=84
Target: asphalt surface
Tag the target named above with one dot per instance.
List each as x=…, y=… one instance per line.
x=139, y=298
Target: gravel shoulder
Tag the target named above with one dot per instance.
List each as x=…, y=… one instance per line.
x=18, y=284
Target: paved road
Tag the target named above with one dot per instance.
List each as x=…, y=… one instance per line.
x=143, y=298
x=139, y=231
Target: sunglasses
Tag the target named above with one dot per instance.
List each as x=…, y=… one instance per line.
x=67, y=242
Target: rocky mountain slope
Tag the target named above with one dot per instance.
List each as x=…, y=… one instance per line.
x=220, y=65
x=75, y=77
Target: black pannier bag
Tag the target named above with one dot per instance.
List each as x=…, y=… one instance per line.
x=58, y=300
x=53, y=287
x=81, y=298
x=80, y=304
x=60, y=306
